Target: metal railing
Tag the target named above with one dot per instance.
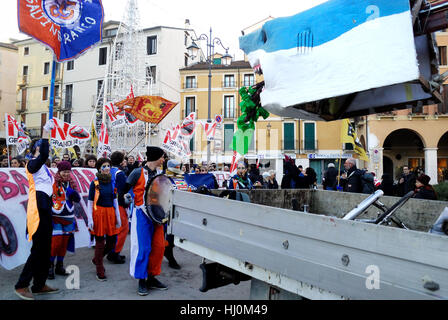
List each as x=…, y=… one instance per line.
x=229, y=84
x=189, y=85
x=309, y=145
x=286, y=145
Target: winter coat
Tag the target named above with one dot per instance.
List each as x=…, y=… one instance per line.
x=330, y=177
x=388, y=188
x=407, y=185
x=353, y=181
x=425, y=192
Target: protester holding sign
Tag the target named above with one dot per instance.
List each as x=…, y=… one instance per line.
x=65, y=194
x=39, y=220
x=103, y=215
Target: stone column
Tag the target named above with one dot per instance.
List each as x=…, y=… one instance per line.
x=376, y=161
x=278, y=169
x=431, y=164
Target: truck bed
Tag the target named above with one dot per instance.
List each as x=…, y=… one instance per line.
x=316, y=255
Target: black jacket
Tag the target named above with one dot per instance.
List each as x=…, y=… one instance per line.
x=271, y=185
x=353, y=183
x=254, y=176
x=330, y=177
x=425, y=192
x=388, y=188
x=407, y=185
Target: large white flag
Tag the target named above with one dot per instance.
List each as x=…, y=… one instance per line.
x=15, y=135
x=104, y=149
x=116, y=119
x=177, y=139
x=66, y=135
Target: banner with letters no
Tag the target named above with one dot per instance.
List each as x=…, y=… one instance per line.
x=14, y=245
x=66, y=135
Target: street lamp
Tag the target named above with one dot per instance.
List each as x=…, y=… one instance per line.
x=192, y=51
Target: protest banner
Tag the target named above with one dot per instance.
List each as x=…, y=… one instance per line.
x=14, y=245
x=177, y=139
x=66, y=135
x=15, y=135
x=104, y=148
x=116, y=118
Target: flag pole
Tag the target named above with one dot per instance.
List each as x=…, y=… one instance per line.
x=53, y=78
x=9, y=160
x=339, y=171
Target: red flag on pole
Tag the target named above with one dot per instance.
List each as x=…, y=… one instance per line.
x=234, y=163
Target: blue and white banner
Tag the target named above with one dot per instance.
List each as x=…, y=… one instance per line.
x=334, y=49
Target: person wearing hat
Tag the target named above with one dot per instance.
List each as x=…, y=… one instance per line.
x=39, y=220
x=103, y=215
x=147, y=236
x=119, y=181
x=423, y=190
x=65, y=194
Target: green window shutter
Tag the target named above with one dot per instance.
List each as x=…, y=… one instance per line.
x=309, y=136
x=228, y=136
x=288, y=136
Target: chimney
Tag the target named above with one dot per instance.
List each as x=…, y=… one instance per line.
x=187, y=23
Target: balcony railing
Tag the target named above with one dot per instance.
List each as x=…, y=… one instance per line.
x=24, y=81
x=309, y=145
x=35, y=132
x=190, y=85
x=289, y=145
x=94, y=100
x=68, y=105
x=229, y=84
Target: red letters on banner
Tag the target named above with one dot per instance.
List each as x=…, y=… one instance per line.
x=8, y=190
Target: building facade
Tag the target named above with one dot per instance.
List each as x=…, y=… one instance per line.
x=79, y=81
x=8, y=67
x=33, y=76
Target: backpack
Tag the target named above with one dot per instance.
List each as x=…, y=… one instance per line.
x=367, y=183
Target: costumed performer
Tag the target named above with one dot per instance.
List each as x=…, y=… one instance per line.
x=39, y=220
x=147, y=236
x=65, y=194
x=103, y=215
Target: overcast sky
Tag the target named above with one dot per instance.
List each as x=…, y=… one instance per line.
x=226, y=18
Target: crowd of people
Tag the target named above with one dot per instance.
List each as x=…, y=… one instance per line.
x=357, y=180
x=51, y=221
x=350, y=179
x=122, y=182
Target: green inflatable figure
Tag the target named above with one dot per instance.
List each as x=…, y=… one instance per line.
x=251, y=110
